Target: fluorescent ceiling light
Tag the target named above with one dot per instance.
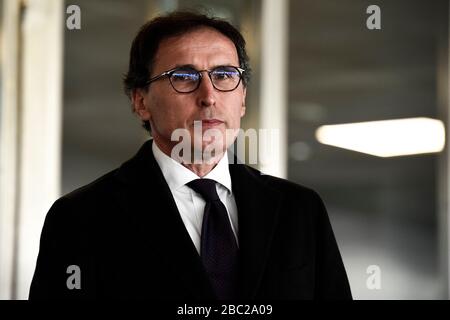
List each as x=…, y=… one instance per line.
x=388, y=138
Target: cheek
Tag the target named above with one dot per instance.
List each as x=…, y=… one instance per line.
x=235, y=114
x=170, y=113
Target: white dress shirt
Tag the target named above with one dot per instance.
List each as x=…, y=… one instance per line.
x=190, y=203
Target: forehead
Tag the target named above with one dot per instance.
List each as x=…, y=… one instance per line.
x=203, y=48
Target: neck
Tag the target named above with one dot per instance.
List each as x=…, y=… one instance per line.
x=201, y=170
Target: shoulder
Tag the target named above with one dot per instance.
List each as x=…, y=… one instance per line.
x=101, y=186
x=85, y=202
x=286, y=187
x=297, y=204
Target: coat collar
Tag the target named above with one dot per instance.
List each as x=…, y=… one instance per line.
x=257, y=205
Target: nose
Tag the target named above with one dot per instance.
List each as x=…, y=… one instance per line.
x=206, y=92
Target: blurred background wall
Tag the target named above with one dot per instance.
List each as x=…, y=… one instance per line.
x=65, y=120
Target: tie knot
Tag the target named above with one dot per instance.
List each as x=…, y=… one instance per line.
x=206, y=187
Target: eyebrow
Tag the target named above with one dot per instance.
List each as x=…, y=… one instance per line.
x=193, y=67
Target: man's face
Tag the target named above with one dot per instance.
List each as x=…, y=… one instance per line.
x=168, y=110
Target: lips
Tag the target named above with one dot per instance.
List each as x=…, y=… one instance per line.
x=211, y=122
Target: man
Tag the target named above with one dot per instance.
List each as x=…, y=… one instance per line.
x=167, y=226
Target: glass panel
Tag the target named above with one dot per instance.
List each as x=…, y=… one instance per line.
x=99, y=129
x=384, y=210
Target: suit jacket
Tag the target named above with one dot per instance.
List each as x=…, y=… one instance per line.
x=125, y=234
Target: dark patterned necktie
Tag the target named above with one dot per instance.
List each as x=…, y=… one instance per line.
x=219, y=250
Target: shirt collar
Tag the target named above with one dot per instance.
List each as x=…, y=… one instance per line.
x=178, y=175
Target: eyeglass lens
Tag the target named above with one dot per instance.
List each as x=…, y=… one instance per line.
x=223, y=78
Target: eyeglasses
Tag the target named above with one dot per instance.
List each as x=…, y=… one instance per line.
x=187, y=79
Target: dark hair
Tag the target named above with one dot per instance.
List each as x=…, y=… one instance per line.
x=146, y=43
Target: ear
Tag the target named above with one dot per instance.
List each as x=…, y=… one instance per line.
x=139, y=101
x=243, y=108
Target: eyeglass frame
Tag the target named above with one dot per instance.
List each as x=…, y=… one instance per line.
x=169, y=73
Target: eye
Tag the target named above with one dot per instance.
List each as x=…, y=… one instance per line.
x=184, y=76
x=225, y=73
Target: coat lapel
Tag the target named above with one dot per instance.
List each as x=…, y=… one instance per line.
x=258, y=206
x=158, y=220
